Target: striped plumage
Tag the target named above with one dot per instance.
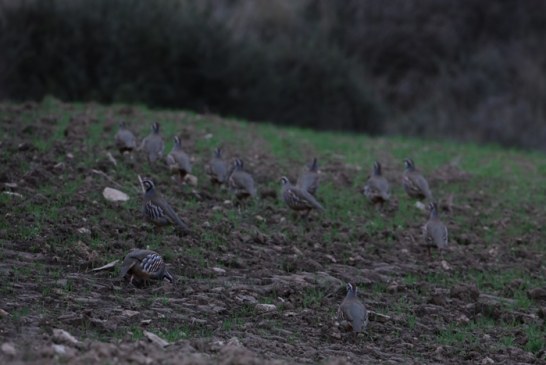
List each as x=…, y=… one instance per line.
x=353, y=310
x=309, y=177
x=125, y=139
x=218, y=168
x=145, y=265
x=415, y=185
x=241, y=182
x=153, y=144
x=435, y=231
x=157, y=210
x=178, y=160
x=377, y=188
x=296, y=198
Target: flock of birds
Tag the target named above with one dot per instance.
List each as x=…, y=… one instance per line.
x=144, y=265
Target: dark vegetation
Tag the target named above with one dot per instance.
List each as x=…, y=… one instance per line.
x=469, y=69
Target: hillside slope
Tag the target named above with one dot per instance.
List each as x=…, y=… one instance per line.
x=480, y=299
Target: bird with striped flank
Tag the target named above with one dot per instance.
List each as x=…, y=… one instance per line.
x=157, y=210
x=297, y=198
x=377, y=189
x=415, y=185
x=353, y=311
x=218, y=169
x=144, y=265
x=434, y=230
x=241, y=183
x=125, y=139
x=309, y=178
x=153, y=144
x=178, y=160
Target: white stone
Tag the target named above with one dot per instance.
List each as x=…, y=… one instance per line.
x=114, y=195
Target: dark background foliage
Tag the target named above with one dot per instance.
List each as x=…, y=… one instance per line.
x=469, y=69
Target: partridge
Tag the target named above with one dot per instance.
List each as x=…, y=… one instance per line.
x=178, y=160
x=125, y=139
x=153, y=144
x=309, y=178
x=377, y=188
x=157, y=210
x=297, y=198
x=145, y=265
x=218, y=168
x=241, y=182
x=353, y=311
x=415, y=185
x=435, y=231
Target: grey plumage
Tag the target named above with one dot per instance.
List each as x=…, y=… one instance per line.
x=157, y=210
x=377, y=188
x=125, y=139
x=178, y=160
x=353, y=310
x=145, y=265
x=218, y=170
x=241, y=182
x=415, y=185
x=153, y=144
x=435, y=231
x=309, y=178
x=296, y=198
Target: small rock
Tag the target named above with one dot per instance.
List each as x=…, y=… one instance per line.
x=264, y=308
x=129, y=313
x=8, y=349
x=420, y=205
x=155, y=339
x=191, y=180
x=218, y=270
x=260, y=218
x=62, y=336
x=462, y=319
x=3, y=313
x=84, y=230
x=331, y=258
x=208, y=136
x=63, y=350
x=487, y=360
x=70, y=155
x=234, y=341
x=445, y=265
x=114, y=195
